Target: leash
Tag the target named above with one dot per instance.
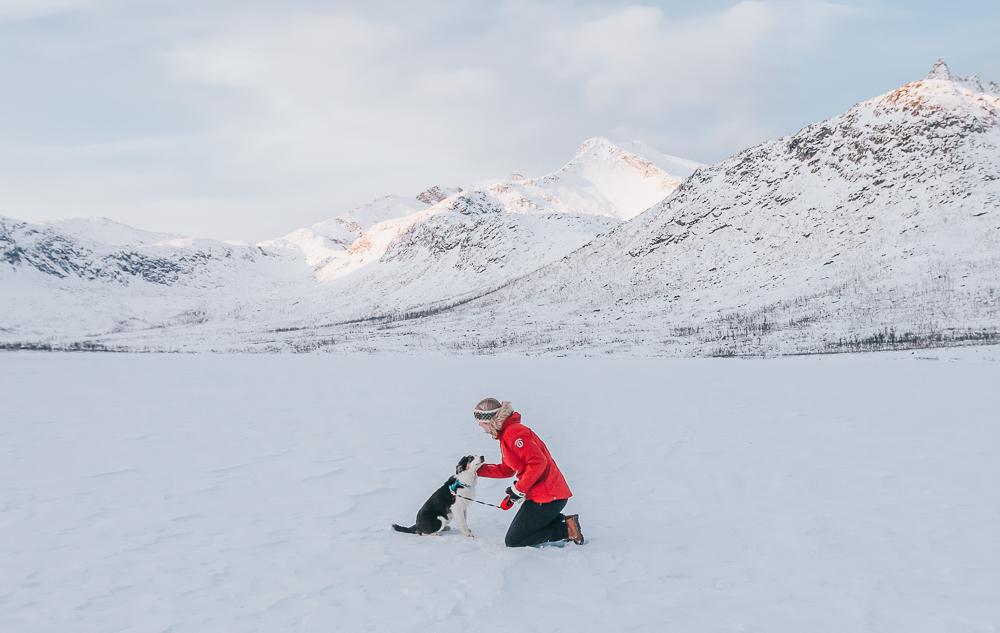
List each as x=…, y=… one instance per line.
x=457, y=485
x=477, y=501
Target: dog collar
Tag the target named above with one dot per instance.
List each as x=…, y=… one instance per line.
x=455, y=486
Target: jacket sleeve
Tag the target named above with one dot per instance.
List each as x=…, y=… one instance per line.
x=495, y=471
x=535, y=464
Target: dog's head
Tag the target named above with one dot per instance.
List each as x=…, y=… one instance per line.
x=469, y=463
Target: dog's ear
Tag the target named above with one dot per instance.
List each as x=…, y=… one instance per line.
x=463, y=464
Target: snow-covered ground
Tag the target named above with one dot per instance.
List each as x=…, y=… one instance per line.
x=255, y=493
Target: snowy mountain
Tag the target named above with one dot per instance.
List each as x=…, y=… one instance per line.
x=392, y=255
x=113, y=255
x=877, y=227
x=327, y=241
x=73, y=278
x=673, y=165
x=478, y=239
x=602, y=179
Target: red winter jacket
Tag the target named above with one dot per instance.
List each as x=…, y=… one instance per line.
x=524, y=454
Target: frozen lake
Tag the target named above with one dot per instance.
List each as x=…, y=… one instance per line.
x=254, y=493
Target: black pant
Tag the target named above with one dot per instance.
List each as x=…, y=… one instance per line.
x=537, y=523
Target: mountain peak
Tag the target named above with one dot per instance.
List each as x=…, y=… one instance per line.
x=940, y=71
x=597, y=143
x=436, y=194
x=943, y=91
x=638, y=154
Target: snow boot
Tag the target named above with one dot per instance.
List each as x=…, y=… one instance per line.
x=573, y=531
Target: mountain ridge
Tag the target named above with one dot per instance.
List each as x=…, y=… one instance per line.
x=391, y=253
x=852, y=163
x=876, y=228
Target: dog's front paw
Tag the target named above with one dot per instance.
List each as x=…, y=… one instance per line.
x=469, y=534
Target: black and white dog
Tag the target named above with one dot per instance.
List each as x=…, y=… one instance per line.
x=450, y=501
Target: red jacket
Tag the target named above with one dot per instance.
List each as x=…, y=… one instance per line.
x=524, y=454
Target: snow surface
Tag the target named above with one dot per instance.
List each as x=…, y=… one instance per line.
x=151, y=493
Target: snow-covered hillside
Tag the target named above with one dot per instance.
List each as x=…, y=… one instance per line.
x=337, y=238
x=878, y=227
x=392, y=255
x=602, y=179
x=70, y=279
x=221, y=493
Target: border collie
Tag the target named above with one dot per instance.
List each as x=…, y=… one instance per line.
x=446, y=504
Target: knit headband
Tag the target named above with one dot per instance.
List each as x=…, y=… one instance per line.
x=502, y=412
x=486, y=415
x=494, y=418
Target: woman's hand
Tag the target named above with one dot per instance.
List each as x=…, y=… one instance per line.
x=513, y=497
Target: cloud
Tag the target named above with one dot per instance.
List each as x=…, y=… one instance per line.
x=322, y=91
x=457, y=83
x=319, y=88
x=640, y=60
x=292, y=59
x=30, y=9
x=316, y=110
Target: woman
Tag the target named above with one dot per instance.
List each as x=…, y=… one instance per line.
x=539, y=483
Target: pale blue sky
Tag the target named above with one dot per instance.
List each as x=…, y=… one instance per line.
x=245, y=120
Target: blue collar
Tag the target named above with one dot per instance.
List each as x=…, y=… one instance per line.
x=453, y=487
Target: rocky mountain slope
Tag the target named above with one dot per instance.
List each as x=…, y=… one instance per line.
x=93, y=278
x=878, y=227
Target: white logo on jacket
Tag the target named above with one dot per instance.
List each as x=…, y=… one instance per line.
x=519, y=443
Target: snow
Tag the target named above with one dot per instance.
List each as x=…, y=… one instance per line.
x=601, y=179
x=149, y=493
x=877, y=228
x=108, y=232
x=673, y=165
x=393, y=255
x=318, y=246
x=382, y=209
x=879, y=220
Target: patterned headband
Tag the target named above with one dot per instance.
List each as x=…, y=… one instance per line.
x=486, y=415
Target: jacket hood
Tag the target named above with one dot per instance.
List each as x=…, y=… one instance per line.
x=513, y=418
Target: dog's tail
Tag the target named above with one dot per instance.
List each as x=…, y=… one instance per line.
x=409, y=530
